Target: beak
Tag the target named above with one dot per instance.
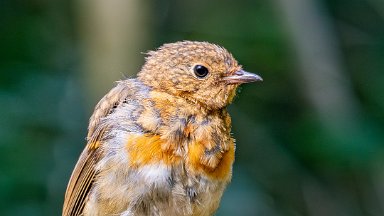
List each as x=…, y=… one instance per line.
x=242, y=76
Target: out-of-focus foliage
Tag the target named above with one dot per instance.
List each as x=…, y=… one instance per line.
x=291, y=158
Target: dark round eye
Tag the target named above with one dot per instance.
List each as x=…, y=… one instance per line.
x=200, y=71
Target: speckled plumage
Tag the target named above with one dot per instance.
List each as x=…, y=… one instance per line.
x=161, y=144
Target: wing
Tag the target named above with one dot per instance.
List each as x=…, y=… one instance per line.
x=84, y=173
x=80, y=183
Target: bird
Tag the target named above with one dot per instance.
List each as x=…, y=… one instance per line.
x=161, y=143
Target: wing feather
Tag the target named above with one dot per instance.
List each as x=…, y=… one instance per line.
x=80, y=183
x=84, y=173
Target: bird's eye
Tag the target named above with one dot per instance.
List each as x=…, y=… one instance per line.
x=200, y=71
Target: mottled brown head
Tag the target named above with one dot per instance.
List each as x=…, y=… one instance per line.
x=201, y=72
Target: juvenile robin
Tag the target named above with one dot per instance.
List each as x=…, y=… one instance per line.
x=161, y=144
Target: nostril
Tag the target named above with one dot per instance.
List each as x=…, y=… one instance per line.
x=239, y=73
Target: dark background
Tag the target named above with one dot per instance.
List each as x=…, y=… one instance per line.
x=309, y=138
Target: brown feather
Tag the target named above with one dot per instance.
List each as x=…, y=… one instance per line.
x=83, y=175
x=80, y=182
x=105, y=107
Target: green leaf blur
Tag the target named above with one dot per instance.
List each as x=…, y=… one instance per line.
x=310, y=137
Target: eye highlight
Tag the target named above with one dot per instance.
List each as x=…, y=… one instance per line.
x=200, y=71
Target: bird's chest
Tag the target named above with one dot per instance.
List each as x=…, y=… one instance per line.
x=201, y=144
x=180, y=170
x=165, y=190
x=189, y=166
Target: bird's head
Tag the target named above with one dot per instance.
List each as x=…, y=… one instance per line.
x=201, y=72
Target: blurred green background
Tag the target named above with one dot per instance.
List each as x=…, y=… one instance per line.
x=310, y=138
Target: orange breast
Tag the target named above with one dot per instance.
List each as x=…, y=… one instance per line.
x=147, y=149
x=221, y=170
